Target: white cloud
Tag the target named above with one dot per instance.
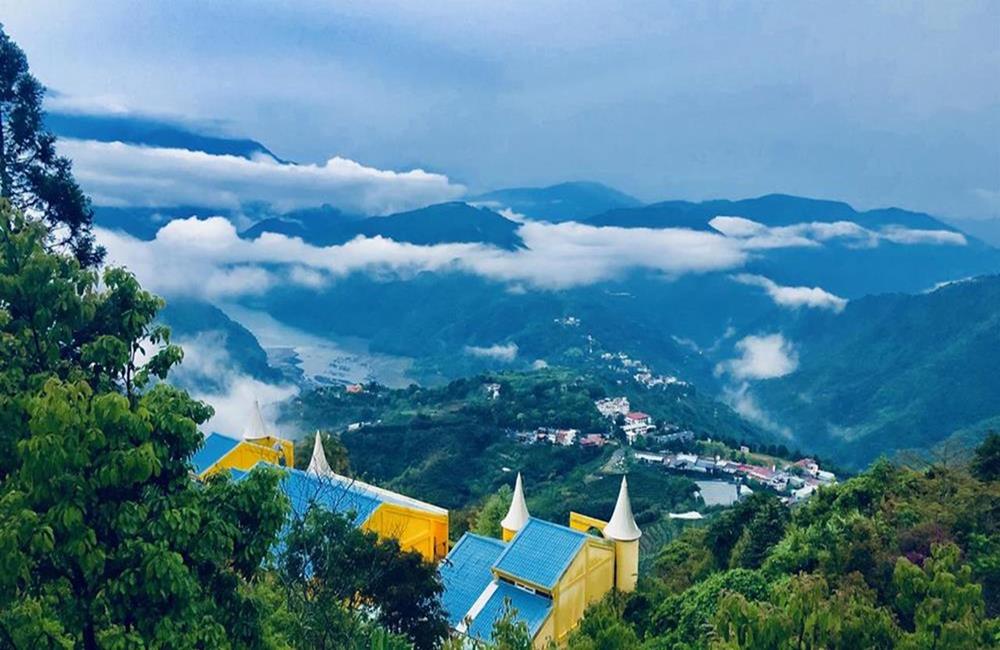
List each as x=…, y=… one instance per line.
x=901, y=235
x=207, y=258
x=208, y=373
x=120, y=174
x=741, y=400
x=757, y=236
x=506, y=352
x=761, y=357
x=794, y=297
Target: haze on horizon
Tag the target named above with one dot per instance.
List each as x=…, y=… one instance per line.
x=876, y=104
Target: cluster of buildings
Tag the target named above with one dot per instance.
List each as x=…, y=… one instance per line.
x=636, y=423
x=549, y=573
x=797, y=481
x=639, y=371
x=612, y=407
x=564, y=437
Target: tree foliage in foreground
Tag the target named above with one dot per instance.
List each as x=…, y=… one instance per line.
x=893, y=558
x=105, y=541
x=33, y=177
x=327, y=562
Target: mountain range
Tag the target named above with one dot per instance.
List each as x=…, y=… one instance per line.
x=877, y=355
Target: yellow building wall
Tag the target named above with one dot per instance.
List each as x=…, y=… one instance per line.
x=416, y=530
x=248, y=453
x=590, y=575
x=586, y=524
x=285, y=448
x=546, y=634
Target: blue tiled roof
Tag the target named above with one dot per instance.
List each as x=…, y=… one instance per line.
x=540, y=553
x=303, y=489
x=531, y=608
x=466, y=572
x=212, y=450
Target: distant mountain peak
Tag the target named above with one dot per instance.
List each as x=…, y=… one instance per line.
x=151, y=132
x=567, y=201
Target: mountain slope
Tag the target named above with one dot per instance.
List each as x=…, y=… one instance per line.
x=770, y=210
x=575, y=201
x=906, y=257
x=132, y=129
x=443, y=223
x=892, y=372
x=225, y=347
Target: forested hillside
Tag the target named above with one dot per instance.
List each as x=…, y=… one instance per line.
x=893, y=372
x=893, y=558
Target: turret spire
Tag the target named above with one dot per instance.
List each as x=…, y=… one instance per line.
x=622, y=527
x=318, y=464
x=517, y=515
x=256, y=428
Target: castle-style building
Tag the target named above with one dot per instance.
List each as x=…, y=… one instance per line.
x=547, y=573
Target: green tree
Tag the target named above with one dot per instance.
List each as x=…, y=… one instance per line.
x=492, y=513
x=986, y=461
x=330, y=569
x=509, y=632
x=105, y=541
x=756, y=524
x=941, y=605
x=802, y=614
x=33, y=177
x=684, y=561
x=602, y=628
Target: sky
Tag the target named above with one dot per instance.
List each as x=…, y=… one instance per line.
x=874, y=103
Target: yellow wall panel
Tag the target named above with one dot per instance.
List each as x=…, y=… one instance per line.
x=245, y=455
x=416, y=530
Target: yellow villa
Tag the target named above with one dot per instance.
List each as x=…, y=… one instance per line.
x=418, y=526
x=548, y=573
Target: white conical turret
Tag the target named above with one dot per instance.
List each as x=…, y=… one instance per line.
x=622, y=527
x=318, y=464
x=256, y=428
x=517, y=515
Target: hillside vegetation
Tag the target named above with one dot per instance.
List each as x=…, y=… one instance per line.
x=893, y=558
x=893, y=372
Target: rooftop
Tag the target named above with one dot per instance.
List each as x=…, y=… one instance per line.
x=540, y=553
x=466, y=572
x=212, y=450
x=531, y=608
x=303, y=489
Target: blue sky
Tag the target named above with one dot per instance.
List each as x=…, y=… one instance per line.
x=894, y=103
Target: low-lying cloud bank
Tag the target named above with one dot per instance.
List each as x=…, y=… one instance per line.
x=205, y=257
x=208, y=259
x=758, y=236
x=506, y=352
x=117, y=174
x=208, y=373
x=794, y=297
x=760, y=358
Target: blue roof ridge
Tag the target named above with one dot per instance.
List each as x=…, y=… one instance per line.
x=582, y=538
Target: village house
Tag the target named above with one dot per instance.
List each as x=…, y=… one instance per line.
x=593, y=440
x=637, y=424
